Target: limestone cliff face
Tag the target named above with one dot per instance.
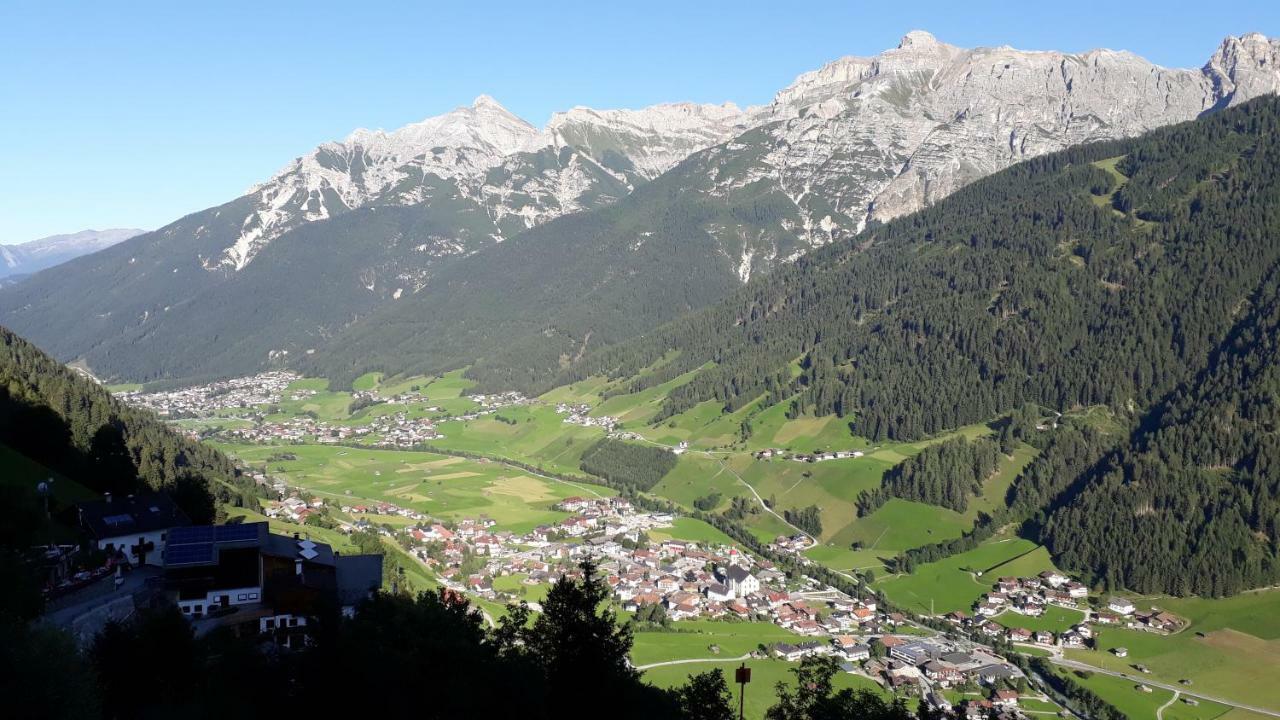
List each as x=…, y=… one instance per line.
x=875, y=138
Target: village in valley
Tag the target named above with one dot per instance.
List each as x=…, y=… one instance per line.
x=962, y=663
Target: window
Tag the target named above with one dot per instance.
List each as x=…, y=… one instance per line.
x=186, y=609
x=269, y=623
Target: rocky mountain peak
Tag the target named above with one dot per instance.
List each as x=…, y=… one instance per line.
x=1245, y=66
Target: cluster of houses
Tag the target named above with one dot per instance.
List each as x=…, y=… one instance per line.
x=579, y=414
x=205, y=400
x=924, y=666
x=494, y=401
x=1030, y=596
x=814, y=457
x=296, y=430
x=687, y=579
x=794, y=544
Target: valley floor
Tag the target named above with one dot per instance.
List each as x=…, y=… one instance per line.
x=397, y=452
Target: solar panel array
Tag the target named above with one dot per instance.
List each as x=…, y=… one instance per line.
x=236, y=533
x=189, y=554
x=193, y=534
x=195, y=545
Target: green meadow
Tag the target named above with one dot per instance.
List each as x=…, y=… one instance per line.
x=538, y=436
x=1123, y=693
x=1055, y=619
x=694, y=639
x=691, y=530
x=1231, y=647
x=951, y=584
x=765, y=675
x=440, y=485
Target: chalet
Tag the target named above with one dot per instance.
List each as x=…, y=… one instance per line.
x=275, y=583
x=1019, y=635
x=988, y=609
x=942, y=672
x=851, y=649
x=1007, y=698
x=1054, y=578
x=806, y=627
x=1120, y=652
x=133, y=529
x=995, y=673
x=1120, y=605
x=1044, y=637
x=1072, y=640
x=787, y=651
x=1077, y=590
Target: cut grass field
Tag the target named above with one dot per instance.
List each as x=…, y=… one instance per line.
x=949, y=584
x=765, y=675
x=693, y=638
x=1055, y=619
x=1231, y=648
x=1124, y=694
x=691, y=530
x=440, y=485
x=539, y=437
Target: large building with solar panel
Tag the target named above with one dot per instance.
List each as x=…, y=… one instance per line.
x=247, y=578
x=132, y=529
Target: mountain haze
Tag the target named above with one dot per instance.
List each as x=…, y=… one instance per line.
x=36, y=255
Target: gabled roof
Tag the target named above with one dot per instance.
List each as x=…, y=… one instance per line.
x=141, y=513
x=737, y=573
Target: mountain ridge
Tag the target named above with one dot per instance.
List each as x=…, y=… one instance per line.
x=36, y=255
x=379, y=224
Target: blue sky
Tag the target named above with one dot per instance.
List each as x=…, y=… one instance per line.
x=135, y=113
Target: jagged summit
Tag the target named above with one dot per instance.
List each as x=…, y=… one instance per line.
x=384, y=214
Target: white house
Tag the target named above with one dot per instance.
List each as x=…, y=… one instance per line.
x=1121, y=605
x=741, y=581
x=135, y=527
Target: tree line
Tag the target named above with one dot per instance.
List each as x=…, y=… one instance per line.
x=622, y=463
x=946, y=475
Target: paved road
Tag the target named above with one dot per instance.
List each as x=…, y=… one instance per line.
x=1074, y=665
x=1160, y=710
x=689, y=661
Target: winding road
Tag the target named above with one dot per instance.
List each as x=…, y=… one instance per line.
x=1074, y=665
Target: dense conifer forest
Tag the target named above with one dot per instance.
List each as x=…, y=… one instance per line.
x=76, y=429
x=629, y=465
x=947, y=475
x=1027, y=286
x=1137, y=275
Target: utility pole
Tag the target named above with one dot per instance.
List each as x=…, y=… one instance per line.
x=743, y=676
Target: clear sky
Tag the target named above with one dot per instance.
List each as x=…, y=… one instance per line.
x=131, y=114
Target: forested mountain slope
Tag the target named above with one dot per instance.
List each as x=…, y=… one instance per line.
x=362, y=241
x=1102, y=274
x=1192, y=504
x=350, y=226
x=72, y=426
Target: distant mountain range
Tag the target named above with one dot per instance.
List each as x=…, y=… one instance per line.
x=476, y=238
x=30, y=257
